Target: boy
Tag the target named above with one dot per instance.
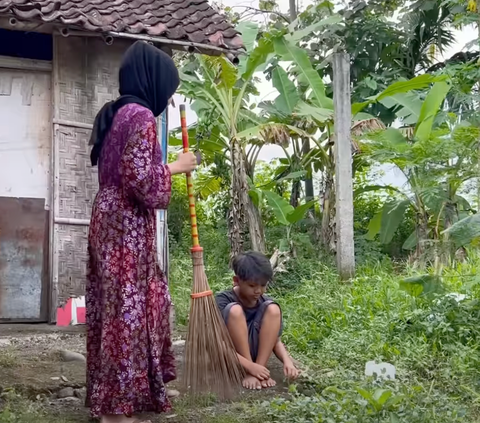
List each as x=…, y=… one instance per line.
x=254, y=320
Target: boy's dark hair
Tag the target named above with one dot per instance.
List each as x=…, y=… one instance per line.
x=253, y=267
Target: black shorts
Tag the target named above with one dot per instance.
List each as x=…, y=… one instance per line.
x=254, y=325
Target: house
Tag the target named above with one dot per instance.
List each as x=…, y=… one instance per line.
x=58, y=65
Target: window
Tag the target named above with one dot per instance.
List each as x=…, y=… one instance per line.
x=29, y=45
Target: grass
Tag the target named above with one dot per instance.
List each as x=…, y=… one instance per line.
x=335, y=328
x=15, y=408
x=7, y=358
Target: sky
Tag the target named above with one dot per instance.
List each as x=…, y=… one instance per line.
x=267, y=92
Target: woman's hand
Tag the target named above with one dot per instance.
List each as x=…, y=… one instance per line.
x=186, y=162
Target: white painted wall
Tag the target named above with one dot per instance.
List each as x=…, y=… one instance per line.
x=25, y=135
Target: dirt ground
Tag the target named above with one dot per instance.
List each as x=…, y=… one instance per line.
x=33, y=363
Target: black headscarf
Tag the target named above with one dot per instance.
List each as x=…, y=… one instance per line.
x=148, y=77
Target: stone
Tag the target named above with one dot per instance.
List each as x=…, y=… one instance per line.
x=72, y=356
x=81, y=393
x=173, y=393
x=65, y=393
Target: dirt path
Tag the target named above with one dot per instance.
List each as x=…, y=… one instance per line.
x=32, y=364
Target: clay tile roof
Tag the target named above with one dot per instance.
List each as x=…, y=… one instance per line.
x=185, y=20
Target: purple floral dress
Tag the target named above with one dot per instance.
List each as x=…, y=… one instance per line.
x=129, y=349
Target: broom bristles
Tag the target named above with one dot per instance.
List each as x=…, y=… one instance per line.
x=211, y=362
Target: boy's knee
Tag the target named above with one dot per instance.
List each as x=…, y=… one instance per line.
x=273, y=311
x=236, y=312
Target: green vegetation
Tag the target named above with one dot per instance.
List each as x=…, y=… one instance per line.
x=414, y=302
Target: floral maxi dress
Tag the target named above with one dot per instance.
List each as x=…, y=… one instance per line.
x=129, y=349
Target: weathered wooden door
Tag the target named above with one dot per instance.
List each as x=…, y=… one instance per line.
x=25, y=181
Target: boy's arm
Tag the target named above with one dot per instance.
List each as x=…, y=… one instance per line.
x=254, y=369
x=281, y=352
x=289, y=369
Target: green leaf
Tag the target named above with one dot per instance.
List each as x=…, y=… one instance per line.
x=365, y=394
x=430, y=108
x=358, y=107
x=381, y=396
x=362, y=116
x=289, y=97
x=392, y=216
x=280, y=207
x=289, y=51
x=249, y=32
x=417, y=83
x=206, y=185
x=257, y=197
x=394, y=418
x=298, y=35
x=228, y=74
x=395, y=138
x=411, y=242
x=410, y=106
x=257, y=58
x=370, y=188
x=464, y=231
x=284, y=245
x=199, y=105
x=421, y=285
x=374, y=226
x=212, y=145
x=173, y=141
x=256, y=131
x=299, y=212
x=319, y=114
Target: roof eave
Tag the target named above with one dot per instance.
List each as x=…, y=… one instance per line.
x=191, y=47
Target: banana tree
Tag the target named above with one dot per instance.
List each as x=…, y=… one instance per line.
x=435, y=159
x=222, y=92
x=305, y=104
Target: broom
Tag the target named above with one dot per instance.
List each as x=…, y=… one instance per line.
x=211, y=363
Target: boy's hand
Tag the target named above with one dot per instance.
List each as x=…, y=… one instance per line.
x=258, y=371
x=290, y=371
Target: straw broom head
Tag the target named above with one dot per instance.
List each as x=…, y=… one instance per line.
x=211, y=362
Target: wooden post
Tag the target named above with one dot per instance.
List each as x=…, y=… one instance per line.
x=343, y=165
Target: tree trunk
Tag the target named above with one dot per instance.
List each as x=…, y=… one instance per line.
x=422, y=238
x=238, y=215
x=293, y=9
x=243, y=212
x=309, y=193
x=295, y=193
x=255, y=226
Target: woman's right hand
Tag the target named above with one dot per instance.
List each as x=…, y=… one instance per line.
x=186, y=162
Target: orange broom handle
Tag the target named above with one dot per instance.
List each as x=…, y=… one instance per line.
x=191, y=196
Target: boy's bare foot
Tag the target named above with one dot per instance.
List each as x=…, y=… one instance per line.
x=251, y=382
x=269, y=383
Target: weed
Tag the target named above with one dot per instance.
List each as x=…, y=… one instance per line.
x=7, y=358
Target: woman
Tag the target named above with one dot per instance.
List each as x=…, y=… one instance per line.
x=129, y=349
